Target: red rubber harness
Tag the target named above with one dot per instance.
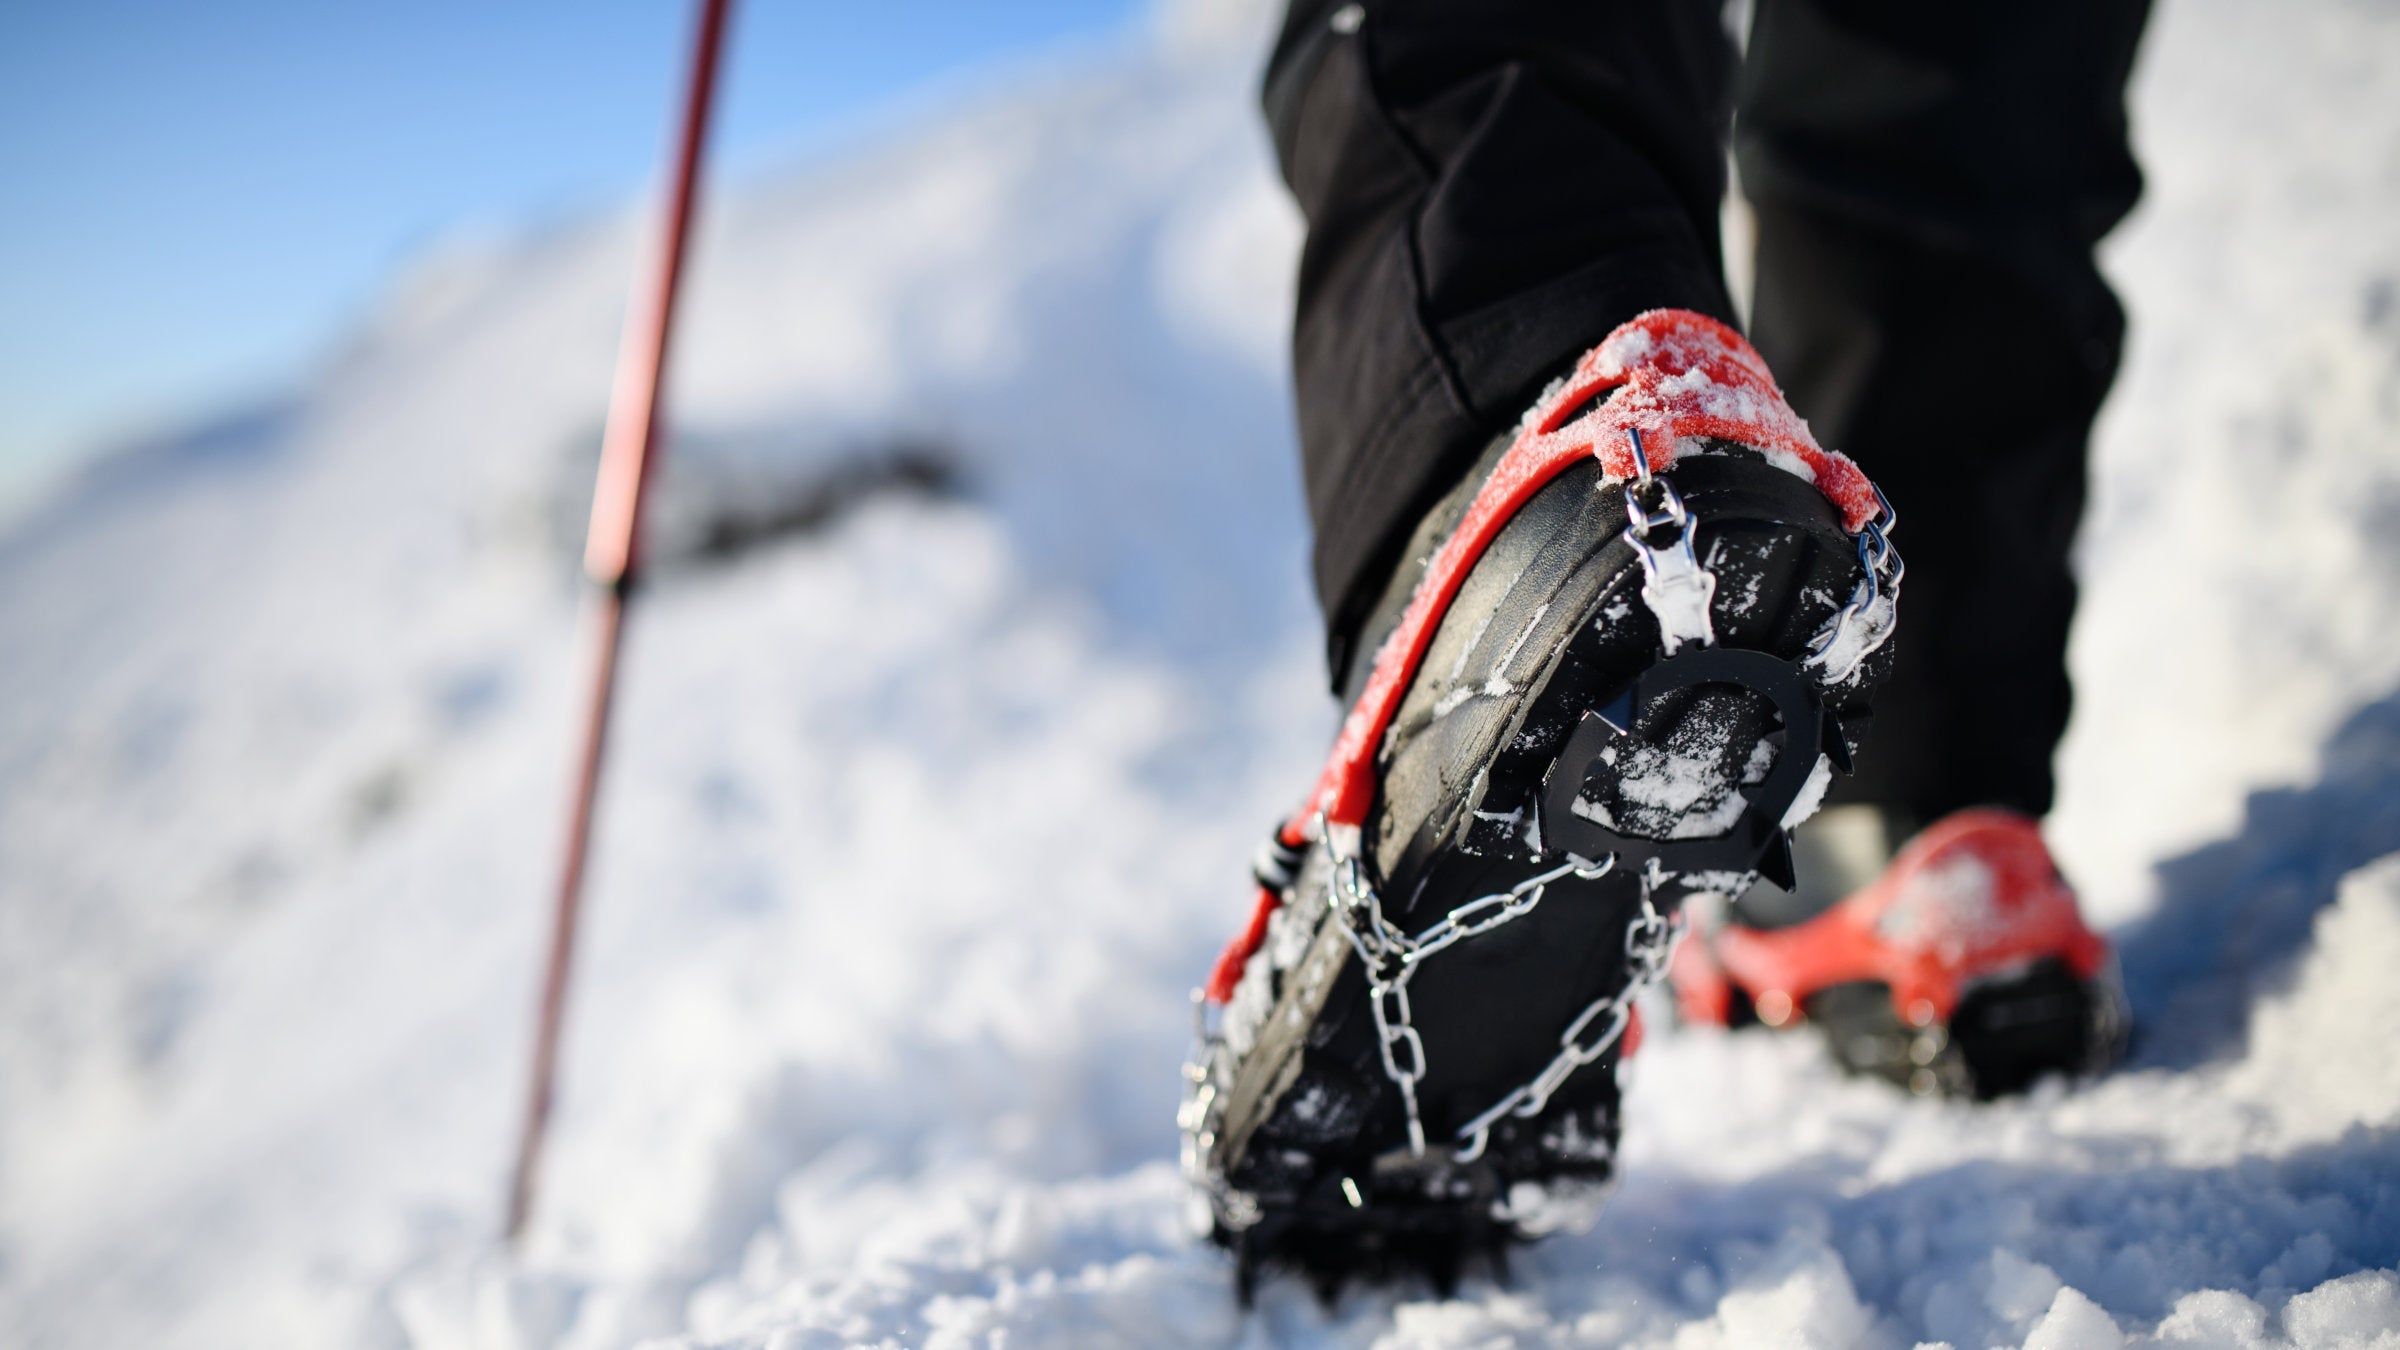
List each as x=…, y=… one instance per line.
x=1680, y=377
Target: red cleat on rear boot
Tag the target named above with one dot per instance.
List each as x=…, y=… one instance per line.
x=1965, y=969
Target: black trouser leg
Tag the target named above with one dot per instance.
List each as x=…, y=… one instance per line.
x=1930, y=180
x=1490, y=188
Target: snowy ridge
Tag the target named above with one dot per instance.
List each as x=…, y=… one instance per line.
x=924, y=815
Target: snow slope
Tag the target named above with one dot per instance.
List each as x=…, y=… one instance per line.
x=924, y=816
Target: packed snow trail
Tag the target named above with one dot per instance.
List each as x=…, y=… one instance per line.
x=927, y=810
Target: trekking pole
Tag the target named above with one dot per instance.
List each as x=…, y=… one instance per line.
x=629, y=449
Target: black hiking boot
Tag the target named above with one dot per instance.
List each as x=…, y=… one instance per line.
x=1626, y=656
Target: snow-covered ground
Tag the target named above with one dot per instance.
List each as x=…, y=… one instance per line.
x=923, y=818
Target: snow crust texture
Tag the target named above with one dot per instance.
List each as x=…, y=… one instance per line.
x=977, y=660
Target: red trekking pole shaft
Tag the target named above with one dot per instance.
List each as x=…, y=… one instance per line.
x=629, y=449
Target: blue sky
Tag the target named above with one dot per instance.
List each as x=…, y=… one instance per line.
x=196, y=198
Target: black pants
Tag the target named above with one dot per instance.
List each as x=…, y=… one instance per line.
x=1493, y=185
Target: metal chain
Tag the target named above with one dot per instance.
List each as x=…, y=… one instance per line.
x=1198, y=1119
x=1391, y=958
x=1649, y=945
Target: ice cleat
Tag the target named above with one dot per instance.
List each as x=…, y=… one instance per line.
x=1630, y=652
x=1965, y=969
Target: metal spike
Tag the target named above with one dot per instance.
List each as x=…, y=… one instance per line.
x=1835, y=745
x=1777, y=865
